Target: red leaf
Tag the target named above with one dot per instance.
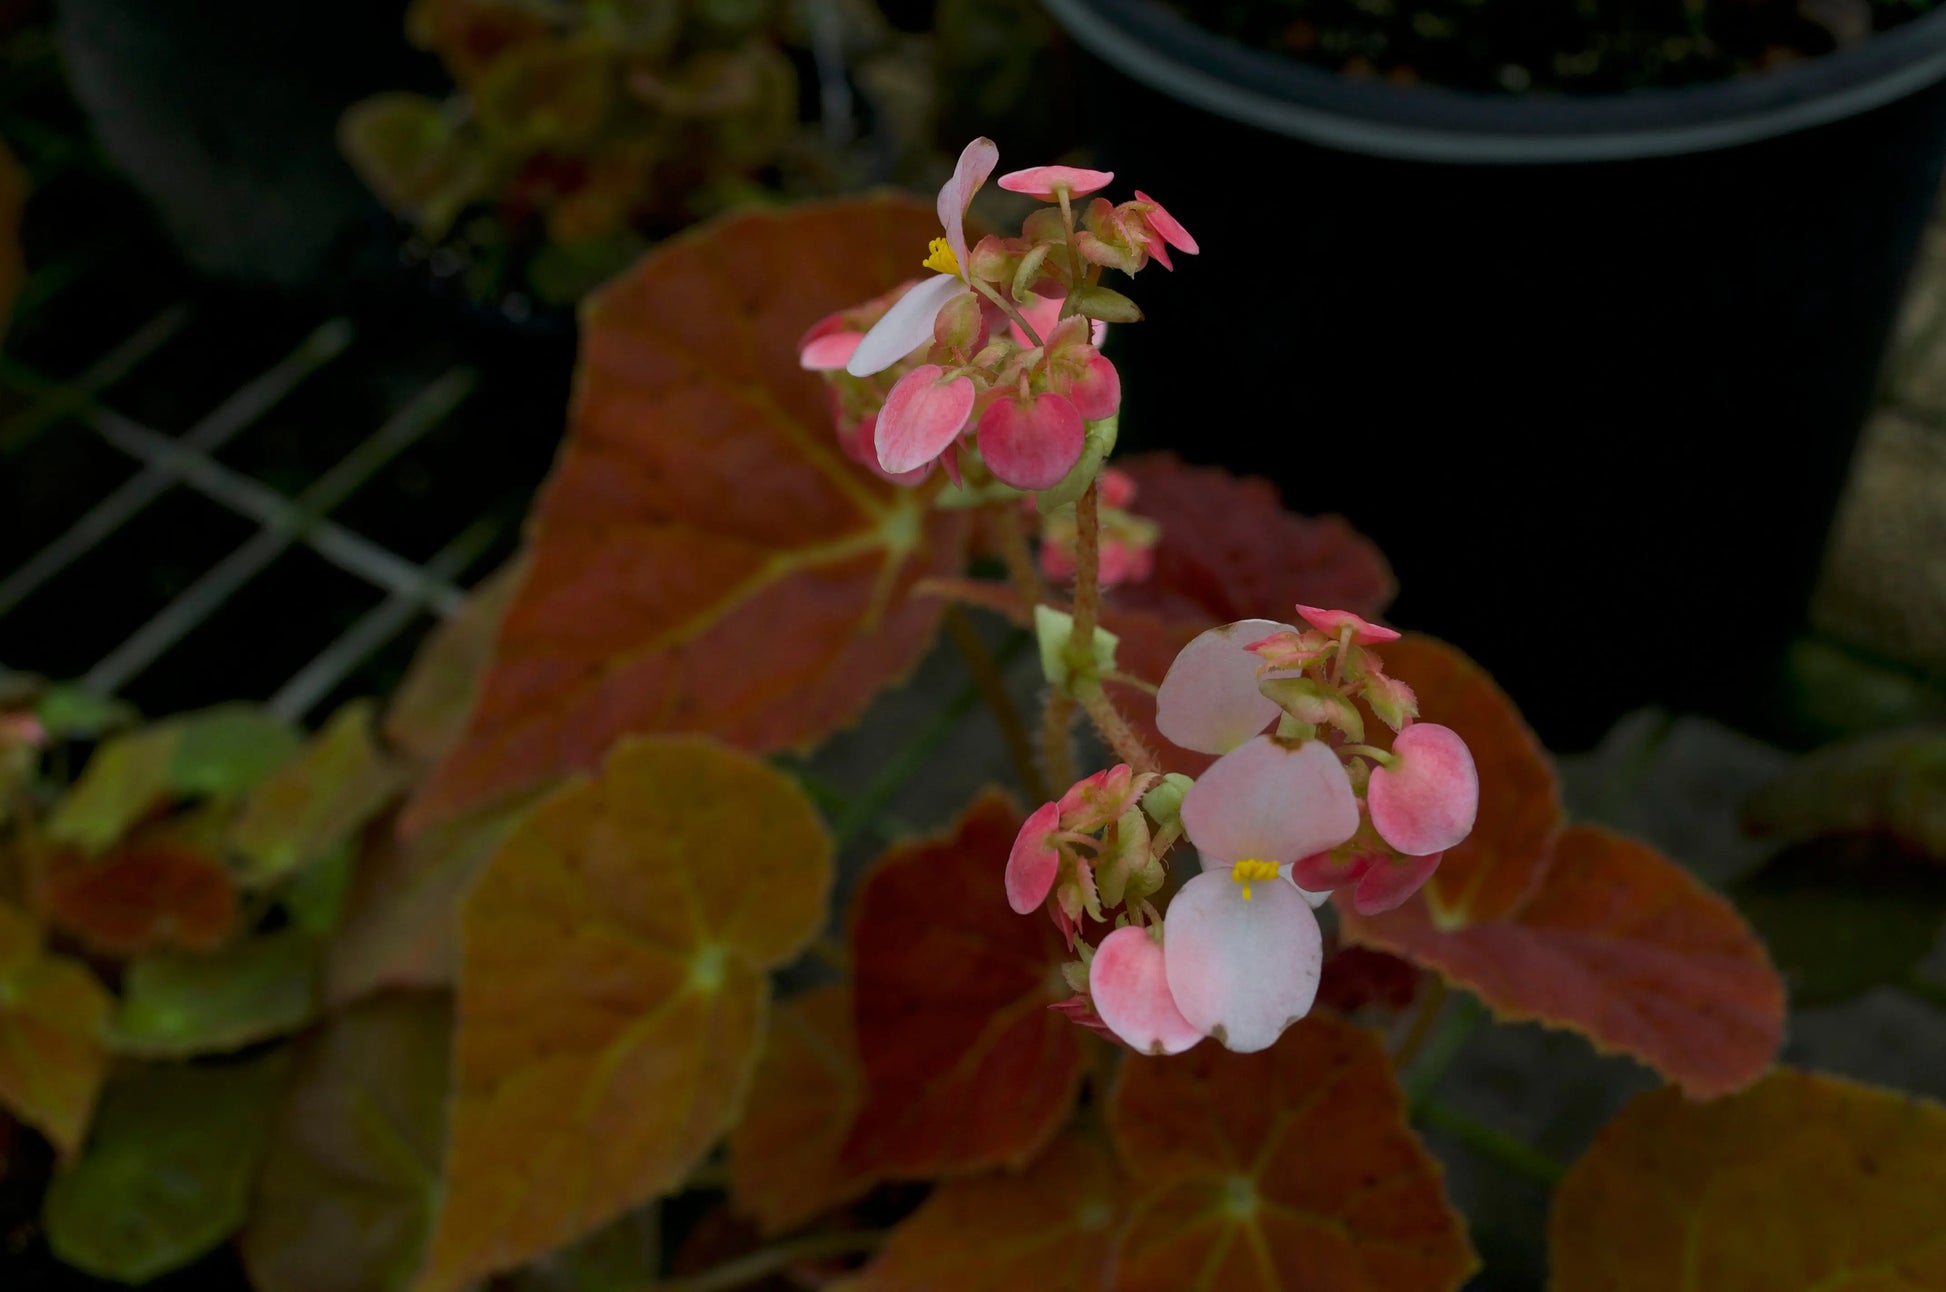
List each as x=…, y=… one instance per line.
x=151, y=892
x=966, y=1067
x=1045, y=1228
x=1288, y=1170
x=704, y=558
x=1621, y=945
x=1230, y=551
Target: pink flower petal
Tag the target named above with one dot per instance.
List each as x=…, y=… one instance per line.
x=1130, y=987
x=1331, y=622
x=1041, y=181
x=1209, y=700
x=922, y=416
x=1426, y=800
x=1269, y=801
x=1167, y=225
x=1387, y=884
x=1034, y=861
x=1042, y=313
x=1097, y=393
x=905, y=327
x=1032, y=446
x=1239, y=971
x=1324, y=871
x=1117, y=488
x=830, y=352
x=976, y=162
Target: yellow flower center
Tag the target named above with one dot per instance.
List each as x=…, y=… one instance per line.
x=1253, y=872
x=941, y=258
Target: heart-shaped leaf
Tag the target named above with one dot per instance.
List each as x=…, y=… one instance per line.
x=51, y=1013
x=705, y=558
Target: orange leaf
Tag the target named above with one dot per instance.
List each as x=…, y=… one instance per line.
x=1622, y=945
x=51, y=1015
x=966, y=1067
x=1047, y=1227
x=1288, y=1170
x=156, y=890
x=1801, y=1182
x=1500, y=864
x=613, y=987
x=785, y=1164
x=428, y=712
x=704, y=557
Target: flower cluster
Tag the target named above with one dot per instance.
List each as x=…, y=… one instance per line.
x=1295, y=805
x=1000, y=345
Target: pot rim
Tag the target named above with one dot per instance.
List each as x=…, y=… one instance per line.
x=1164, y=51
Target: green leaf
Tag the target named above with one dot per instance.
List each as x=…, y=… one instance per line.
x=316, y=898
x=315, y=803
x=71, y=711
x=1104, y=303
x=1052, y=629
x=168, y=1169
x=1095, y=449
x=178, y=1005
x=216, y=753
x=352, y=1175
x=1843, y=914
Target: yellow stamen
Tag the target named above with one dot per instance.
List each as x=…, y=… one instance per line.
x=1253, y=872
x=941, y=259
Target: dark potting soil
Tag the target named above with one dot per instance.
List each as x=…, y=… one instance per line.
x=1561, y=46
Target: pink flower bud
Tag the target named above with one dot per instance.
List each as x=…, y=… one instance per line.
x=1426, y=800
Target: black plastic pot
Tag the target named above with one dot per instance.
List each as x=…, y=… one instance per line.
x=1590, y=371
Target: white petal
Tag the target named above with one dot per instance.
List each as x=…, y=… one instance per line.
x=1209, y=701
x=1269, y=801
x=1239, y=971
x=976, y=162
x=905, y=327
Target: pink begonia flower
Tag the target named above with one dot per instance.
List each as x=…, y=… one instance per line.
x=908, y=324
x=1209, y=701
x=1129, y=985
x=1042, y=181
x=1028, y=445
x=1333, y=622
x=1035, y=861
x=1379, y=882
x=1095, y=802
x=1425, y=801
x=922, y=417
x=1164, y=228
x=1241, y=947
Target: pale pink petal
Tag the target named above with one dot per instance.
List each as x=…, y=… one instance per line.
x=905, y=327
x=1130, y=987
x=976, y=162
x=1042, y=313
x=1387, y=884
x=1097, y=393
x=1034, y=861
x=1032, y=446
x=1426, y=800
x=1041, y=181
x=1324, y=871
x=1209, y=700
x=1270, y=801
x=1331, y=622
x=1239, y=971
x=830, y=352
x=1167, y=225
x=922, y=416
